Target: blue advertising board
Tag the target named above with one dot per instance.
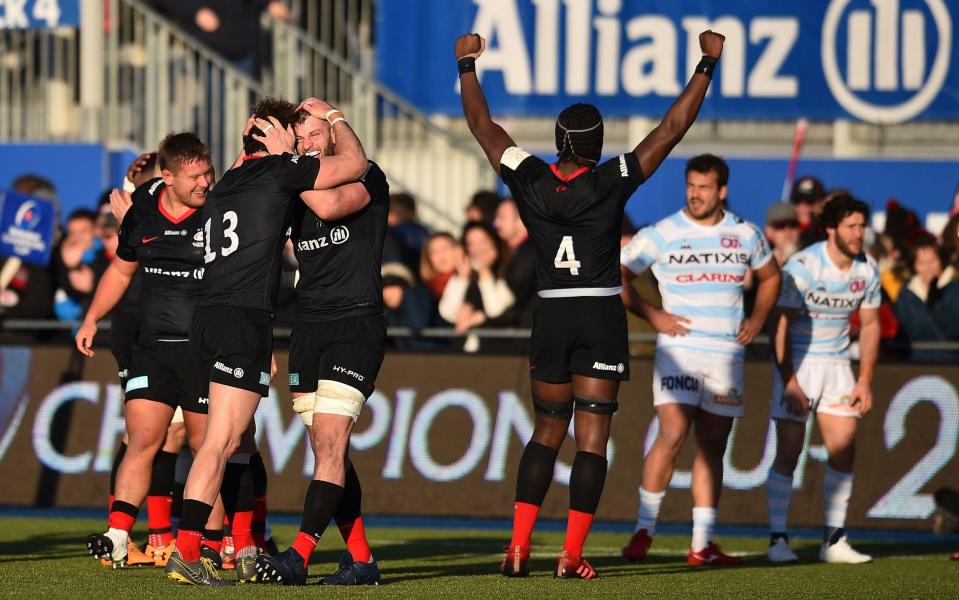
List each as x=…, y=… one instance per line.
x=39, y=14
x=26, y=227
x=882, y=61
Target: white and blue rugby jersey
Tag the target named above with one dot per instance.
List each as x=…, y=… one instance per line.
x=701, y=271
x=825, y=297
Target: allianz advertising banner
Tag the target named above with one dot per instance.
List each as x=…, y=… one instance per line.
x=883, y=61
x=442, y=435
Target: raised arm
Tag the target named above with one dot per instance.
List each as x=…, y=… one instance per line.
x=659, y=143
x=338, y=202
x=491, y=137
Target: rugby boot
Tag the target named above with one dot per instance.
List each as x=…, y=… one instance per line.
x=351, y=572
x=246, y=567
x=711, y=555
x=137, y=557
x=286, y=568
x=202, y=572
x=161, y=555
x=516, y=562
x=842, y=553
x=573, y=567
x=111, y=546
x=638, y=546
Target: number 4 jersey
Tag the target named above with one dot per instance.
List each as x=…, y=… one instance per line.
x=247, y=219
x=575, y=222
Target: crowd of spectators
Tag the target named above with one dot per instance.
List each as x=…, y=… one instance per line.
x=483, y=275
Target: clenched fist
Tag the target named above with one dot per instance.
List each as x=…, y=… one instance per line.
x=470, y=45
x=710, y=42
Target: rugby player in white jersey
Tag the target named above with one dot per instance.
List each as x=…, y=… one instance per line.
x=822, y=286
x=701, y=256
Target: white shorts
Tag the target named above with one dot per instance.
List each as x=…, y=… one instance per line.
x=711, y=381
x=828, y=385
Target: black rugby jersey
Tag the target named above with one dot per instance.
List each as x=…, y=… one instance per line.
x=170, y=253
x=246, y=222
x=340, y=260
x=575, y=222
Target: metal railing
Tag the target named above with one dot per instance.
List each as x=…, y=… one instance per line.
x=419, y=155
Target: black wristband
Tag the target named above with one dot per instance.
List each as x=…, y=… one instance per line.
x=706, y=66
x=467, y=64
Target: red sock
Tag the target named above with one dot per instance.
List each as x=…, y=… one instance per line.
x=121, y=520
x=524, y=519
x=188, y=544
x=110, y=504
x=242, y=529
x=577, y=528
x=354, y=534
x=259, y=521
x=304, y=545
x=159, y=519
x=216, y=545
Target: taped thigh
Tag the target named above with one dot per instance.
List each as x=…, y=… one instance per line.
x=303, y=406
x=335, y=398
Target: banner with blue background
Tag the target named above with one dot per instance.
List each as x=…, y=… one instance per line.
x=872, y=60
x=26, y=227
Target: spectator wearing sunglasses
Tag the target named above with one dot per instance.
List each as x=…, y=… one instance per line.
x=782, y=230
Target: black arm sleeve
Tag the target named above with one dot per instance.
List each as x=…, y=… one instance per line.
x=295, y=174
x=620, y=176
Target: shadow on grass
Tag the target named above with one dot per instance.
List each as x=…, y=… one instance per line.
x=45, y=546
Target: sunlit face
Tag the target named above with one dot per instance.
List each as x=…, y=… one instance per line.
x=704, y=197
x=927, y=264
x=81, y=230
x=190, y=183
x=507, y=222
x=850, y=235
x=314, y=136
x=440, y=251
x=480, y=249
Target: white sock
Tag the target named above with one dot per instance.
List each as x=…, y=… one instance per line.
x=779, y=491
x=649, y=503
x=836, y=490
x=704, y=520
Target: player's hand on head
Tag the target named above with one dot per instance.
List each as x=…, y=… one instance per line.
x=470, y=45
x=795, y=399
x=274, y=136
x=316, y=107
x=84, y=338
x=250, y=124
x=136, y=167
x=120, y=203
x=748, y=330
x=862, y=397
x=669, y=324
x=711, y=43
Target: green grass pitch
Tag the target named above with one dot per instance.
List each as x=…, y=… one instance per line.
x=45, y=559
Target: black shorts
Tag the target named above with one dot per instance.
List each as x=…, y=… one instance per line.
x=584, y=335
x=348, y=350
x=124, y=328
x=166, y=372
x=233, y=346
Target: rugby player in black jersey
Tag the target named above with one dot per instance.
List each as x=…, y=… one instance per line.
x=161, y=234
x=336, y=350
x=573, y=210
x=246, y=222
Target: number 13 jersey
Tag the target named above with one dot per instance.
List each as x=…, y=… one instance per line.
x=247, y=219
x=575, y=222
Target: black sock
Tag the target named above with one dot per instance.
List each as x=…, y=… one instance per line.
x=586, y=481
x=213, y=535
x=237, y=489
x=125, y=508
x=195, y=515
x=322, y=500
x=831, y=535
x=350, y=504
x=258, y=472
x=164, y=470
x=176, y=511
x=778, y=535
x=117, y=458
x=535, y=473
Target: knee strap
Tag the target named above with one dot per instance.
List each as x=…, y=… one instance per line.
x=552, y=410
x=303, y=406
x=599, y=406
x=335, y=398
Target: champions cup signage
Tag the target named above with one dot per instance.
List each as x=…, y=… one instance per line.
x=26, y=227
x=442, y=435
x=882, y=61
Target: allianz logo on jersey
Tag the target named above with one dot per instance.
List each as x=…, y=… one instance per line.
x=176, y=232
x=189, y=274
x=338, y=235
x=237, y=372
x=617, y=368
